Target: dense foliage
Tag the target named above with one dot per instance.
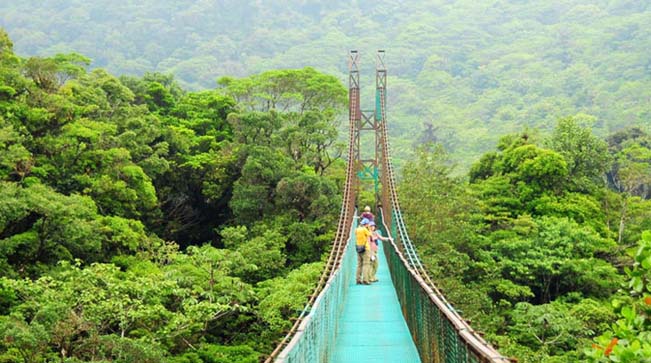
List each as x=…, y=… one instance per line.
x=629, y=339
x=143, y=223
x=532, y=246
x=462, y=72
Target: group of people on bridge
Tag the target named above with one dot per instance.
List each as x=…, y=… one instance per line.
x=367, y=238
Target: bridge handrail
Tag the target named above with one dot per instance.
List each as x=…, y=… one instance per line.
x=412, y=261
x=343, y=226
x=302, y=346
x=467, y=333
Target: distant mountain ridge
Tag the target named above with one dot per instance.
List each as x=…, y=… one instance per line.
x=461, y=72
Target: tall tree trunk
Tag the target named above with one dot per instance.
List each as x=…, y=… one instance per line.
x=622, y=220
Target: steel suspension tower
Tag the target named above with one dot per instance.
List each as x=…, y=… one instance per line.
x=354, y=113
x=367, y=121
x=381, y=140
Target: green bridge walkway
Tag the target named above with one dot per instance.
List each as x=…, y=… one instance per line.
x=371, y=327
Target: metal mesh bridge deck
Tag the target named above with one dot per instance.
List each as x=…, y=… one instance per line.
x=371, y=327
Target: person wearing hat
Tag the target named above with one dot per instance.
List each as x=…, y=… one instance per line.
x=375, y=236
x=368, y=215
x=363, y=247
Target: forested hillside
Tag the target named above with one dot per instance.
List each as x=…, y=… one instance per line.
x=461, y=72
x=143, y=223
x=536, y=248
x=170, y=171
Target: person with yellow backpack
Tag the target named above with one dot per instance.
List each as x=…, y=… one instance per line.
x=363, y=246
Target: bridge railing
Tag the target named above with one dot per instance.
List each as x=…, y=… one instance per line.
x=307, y=325
x=315, y=336
x=439, y=332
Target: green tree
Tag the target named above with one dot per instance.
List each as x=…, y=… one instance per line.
x=51, y=73
x=627, y=340
x=547, y=329
x=16, y=161
x=586, y=155
x=554, y=257
x=39, y=227
x=287, y=90
x=284, y=297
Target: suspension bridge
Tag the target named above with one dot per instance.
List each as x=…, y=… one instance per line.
x=403, y=317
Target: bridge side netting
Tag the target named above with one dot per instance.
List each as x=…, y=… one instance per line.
x=316, y=335
x=439, y=333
